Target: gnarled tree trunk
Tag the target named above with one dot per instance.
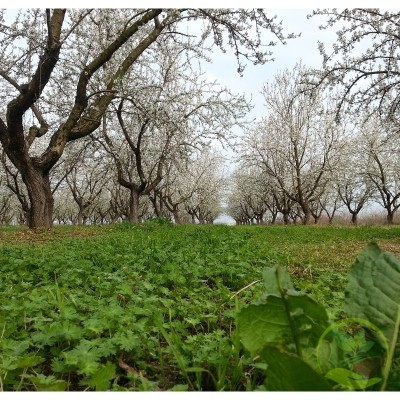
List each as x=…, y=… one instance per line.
x=134, y=206
x=40, y=197
x=390, y=217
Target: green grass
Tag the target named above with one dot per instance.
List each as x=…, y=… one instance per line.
x=152, y=307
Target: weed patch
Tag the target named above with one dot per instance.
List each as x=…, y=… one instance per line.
x=153, y=306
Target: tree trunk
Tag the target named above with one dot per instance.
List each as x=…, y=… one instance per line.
x=173, y=208
x=80, y=216
x=354, y=218
x=259, y=218
x=156, y=206
x=40, y=197
x=176, y=215
x=390, y=217
x=317, y=217
x=306, y=217
x=285, y=218
x=133, y=206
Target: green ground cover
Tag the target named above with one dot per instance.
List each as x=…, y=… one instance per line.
x=154, y=307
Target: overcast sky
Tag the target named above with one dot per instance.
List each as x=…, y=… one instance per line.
x=304, y=48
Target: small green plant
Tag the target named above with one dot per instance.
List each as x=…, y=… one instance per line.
x=160, y=221
x=125, y=226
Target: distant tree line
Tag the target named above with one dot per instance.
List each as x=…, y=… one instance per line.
x=330, y=138
x=87, y=191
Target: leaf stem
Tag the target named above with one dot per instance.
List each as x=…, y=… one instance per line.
x=289, y=317
x=392, y=348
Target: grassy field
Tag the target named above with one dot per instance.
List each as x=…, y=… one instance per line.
x=153, y=307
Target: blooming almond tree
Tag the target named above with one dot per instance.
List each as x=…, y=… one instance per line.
x=380, y=143
x=364, y=62
x=297, y=143
x=166, y=112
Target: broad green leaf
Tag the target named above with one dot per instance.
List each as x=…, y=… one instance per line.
x=309, y=319
x=373, y=291
x=327, y=354
x=100, y=380
x=259, y=325
x=350, y=379
x=289, y=318
x=287, y=372
x=27, y=361
x=276, y=281
x=48, y=383
x=373, y=294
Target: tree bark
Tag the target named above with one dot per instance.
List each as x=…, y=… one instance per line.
x=307, y=216
x=389, y=218
x=40, y=197
x=133, y=206
x=175, y=213
x=80, y=217
x=156, y=207
x=285, y=218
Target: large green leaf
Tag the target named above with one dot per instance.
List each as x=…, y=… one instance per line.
x=100, y=380
x=287, y=372
x=309, y=319
x=373, y=291
x=286, y=317
x=9, y=364
x=48, y=383
x=373, y=294
x=259, y=325
x=351, y=379
x=276, y=281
